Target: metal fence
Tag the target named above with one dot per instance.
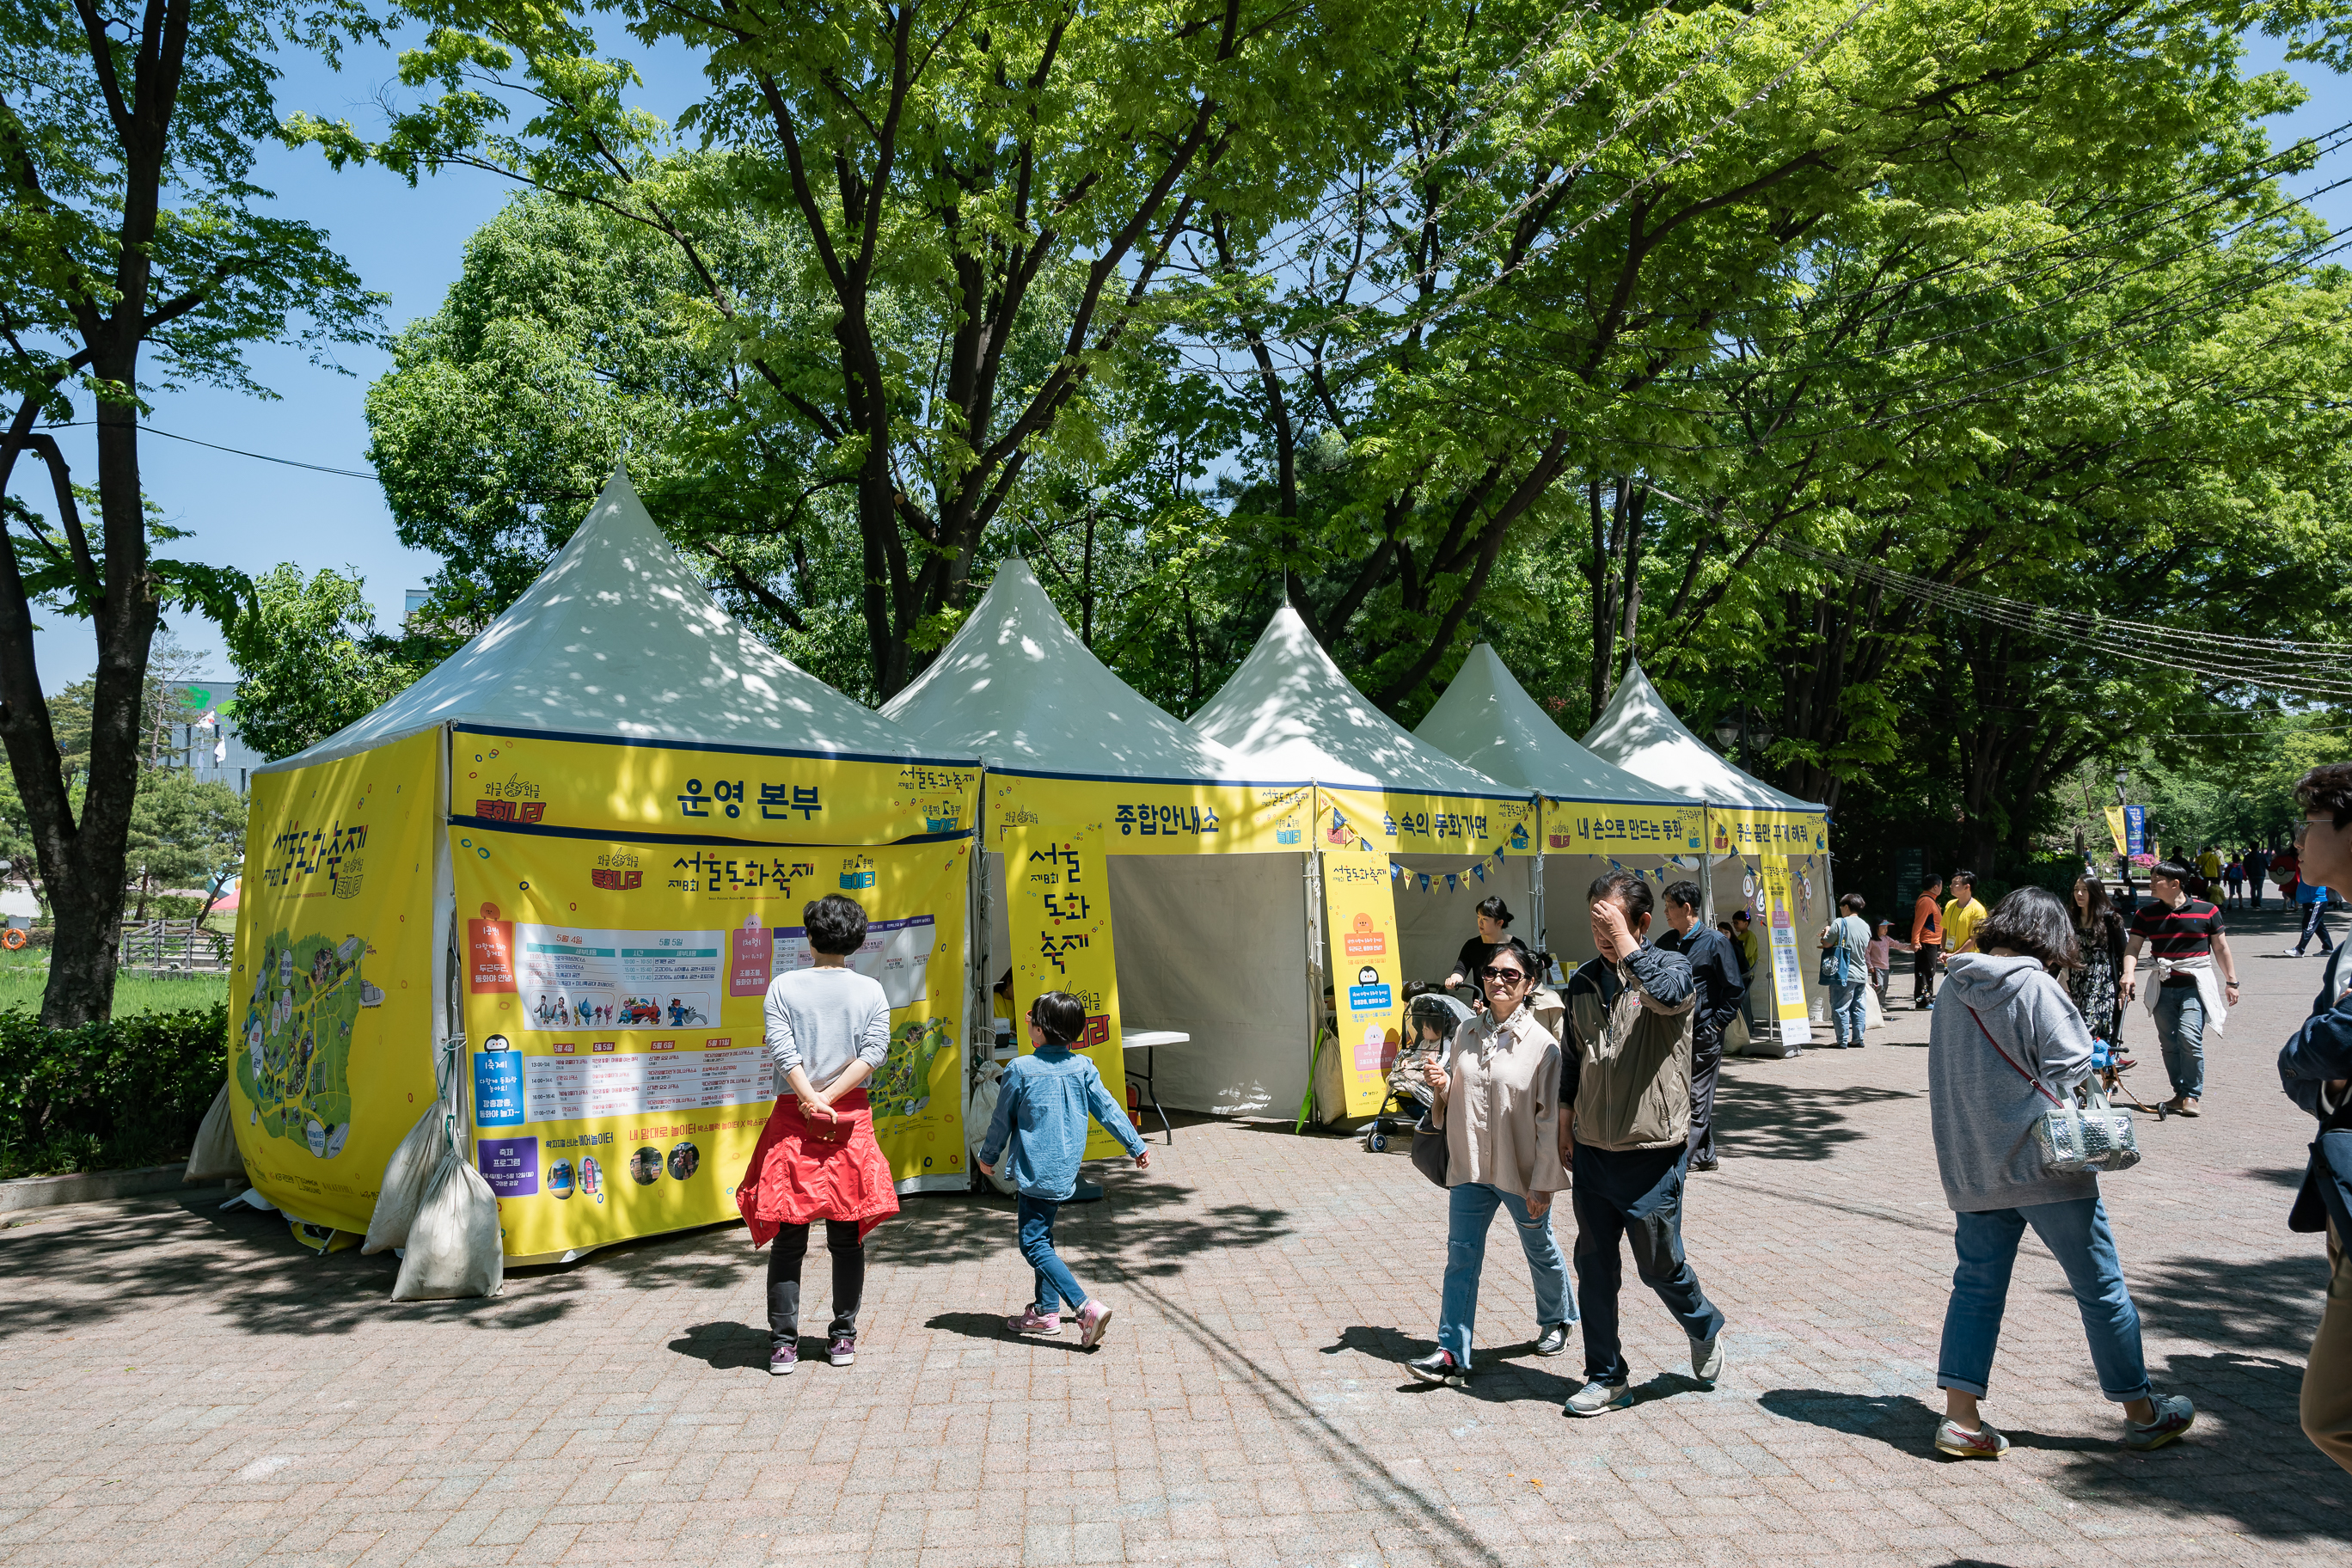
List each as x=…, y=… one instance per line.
x=174, y=944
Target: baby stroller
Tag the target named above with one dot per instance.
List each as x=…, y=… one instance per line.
x=1407, y=1098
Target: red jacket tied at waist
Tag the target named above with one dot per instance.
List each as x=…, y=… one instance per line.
x=798, y=1176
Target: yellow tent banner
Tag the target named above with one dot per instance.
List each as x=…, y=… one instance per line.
x=1788, y=976
x=601, y=784
x=1374, y=821
x=1058, y=908
x=331, y=1052
x=1367, y=976
x=617, y=1072
x=1744, y=830
x=1154, y=817
x=1579, y=827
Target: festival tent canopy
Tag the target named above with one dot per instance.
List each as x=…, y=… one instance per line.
x=1487, y=719
x=1016, y=687
x=618, y=637
x=1290, y=711
x=1641, y=734
x=1201, y=923
x=1290, y=707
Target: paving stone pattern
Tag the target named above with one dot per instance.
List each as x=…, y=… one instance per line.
x=184, y=1387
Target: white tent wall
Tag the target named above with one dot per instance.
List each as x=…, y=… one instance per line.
x=1214, y=946
x=1432, y=926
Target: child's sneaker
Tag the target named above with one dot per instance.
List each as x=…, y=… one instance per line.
x=1030, y=1320
x=843, y=1351
x=1093, y=1319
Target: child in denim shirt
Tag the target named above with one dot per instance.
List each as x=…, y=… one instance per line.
x=1048, y=1097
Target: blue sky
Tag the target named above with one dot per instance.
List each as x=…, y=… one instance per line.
x=409, y=244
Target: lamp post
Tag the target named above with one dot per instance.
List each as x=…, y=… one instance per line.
x=1743, y=733
x=2131, y=899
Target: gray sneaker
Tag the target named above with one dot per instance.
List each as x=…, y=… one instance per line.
x=2174, y=1415
x=1597, y=1397
x=1706, y=1358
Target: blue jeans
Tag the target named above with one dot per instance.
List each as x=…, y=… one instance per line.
x=1849, y=1013
x=2315, y=923
x=2180, y=1030
x=1055, y=1284
x=2076, y=1234
x=1469, y=1210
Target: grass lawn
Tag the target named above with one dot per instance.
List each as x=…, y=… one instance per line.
x=24, y=975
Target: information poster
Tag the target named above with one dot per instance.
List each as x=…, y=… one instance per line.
x=330, y=995
x=1788, y=971
x=1059, y=912
x=617, y=1067
x=1367, y=976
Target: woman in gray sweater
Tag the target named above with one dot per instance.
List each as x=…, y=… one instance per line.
x=2007, y=1042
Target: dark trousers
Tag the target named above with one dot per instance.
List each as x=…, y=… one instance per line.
x=1923, y=974
x=785, y=1255
x=1635, y=1195
x=1707, y=1064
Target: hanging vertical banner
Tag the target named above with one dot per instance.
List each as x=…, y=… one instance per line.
x=1059, y=912
x=1367, y=976
x=2116, y=828
x=331, y=1055
x=2135, y=830
x=617, y=1067
x=1788, y=972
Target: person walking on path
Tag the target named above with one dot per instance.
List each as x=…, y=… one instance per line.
x=1748, y=942
x=1497, y=1101
x=2187, y=998
x=1962, y=915
x=1927, y=943
x=1715, y=970
x=2315, y=1069
x=2258, y=867
x=2311, y=897
x=1882, y=961
x=2005, y=1043
x=2095, y=980
x=828, y=1028
x=2233, y=884
x=1042, y=1109
x=1845, y=956
x=1630, y=1018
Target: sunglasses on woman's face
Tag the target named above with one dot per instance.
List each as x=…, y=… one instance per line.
x=1508, y=976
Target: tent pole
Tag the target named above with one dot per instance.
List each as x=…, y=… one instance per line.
x=1312, y=876
x=1536, y=885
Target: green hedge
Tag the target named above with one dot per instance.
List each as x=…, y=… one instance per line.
x=106, y=1097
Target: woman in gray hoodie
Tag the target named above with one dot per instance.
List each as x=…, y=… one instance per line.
x=2006, y=1045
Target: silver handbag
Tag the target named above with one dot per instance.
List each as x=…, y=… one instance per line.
x=2076, y=1137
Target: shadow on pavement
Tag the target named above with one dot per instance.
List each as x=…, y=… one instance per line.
x=724, y=1347
x=990, y=1326
x=2224, y=1304
x=1758, y=1119
x=1898, y=1420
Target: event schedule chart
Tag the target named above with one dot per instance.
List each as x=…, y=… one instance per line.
x=573, y=977
x=581, y=1088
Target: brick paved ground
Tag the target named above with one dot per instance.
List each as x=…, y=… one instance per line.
x=184, y=1387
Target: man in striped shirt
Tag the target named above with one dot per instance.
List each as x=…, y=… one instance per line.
x=2188, y=998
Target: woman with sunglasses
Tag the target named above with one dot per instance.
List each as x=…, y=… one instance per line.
x=1497, y=1101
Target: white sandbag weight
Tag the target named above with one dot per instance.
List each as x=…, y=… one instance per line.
x=454, y=1248
x=214, y=1157
x=405, y=1177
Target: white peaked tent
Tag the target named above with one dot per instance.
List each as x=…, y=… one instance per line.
x=618, y=637
x=1487, y=719
x=1207, y=943
x=1289, y=709
x=1641, y=734
x=617, y=645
